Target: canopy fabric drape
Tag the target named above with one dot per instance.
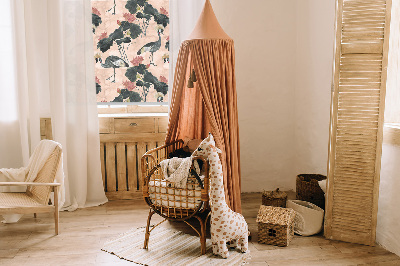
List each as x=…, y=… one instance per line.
x=210, y=106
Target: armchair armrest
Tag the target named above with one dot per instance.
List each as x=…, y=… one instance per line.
x=29, y=184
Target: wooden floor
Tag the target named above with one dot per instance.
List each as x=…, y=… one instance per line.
x=83, y=232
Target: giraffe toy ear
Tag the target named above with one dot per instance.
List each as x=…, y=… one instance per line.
x=216, y=149
x=210, y=136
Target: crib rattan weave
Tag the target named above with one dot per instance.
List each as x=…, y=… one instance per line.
x=170, y=201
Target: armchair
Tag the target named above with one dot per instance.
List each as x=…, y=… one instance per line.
x=36, y=197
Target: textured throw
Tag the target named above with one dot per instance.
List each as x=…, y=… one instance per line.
x=176, y=170
x=167, y=247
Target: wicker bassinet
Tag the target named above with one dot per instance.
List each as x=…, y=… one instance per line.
x=170, y=202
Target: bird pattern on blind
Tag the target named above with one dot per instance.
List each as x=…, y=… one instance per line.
x=131, y=43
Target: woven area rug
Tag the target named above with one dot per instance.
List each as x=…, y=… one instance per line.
x=167, y=247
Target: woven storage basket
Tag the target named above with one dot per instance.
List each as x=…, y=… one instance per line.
x=308, y=189
x=309, y=217
x=274, y=198
x=275, y=225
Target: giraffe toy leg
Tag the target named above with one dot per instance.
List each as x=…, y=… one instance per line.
x=243, y=244
x=215, y=248
x=222, y=249
x=232, y=244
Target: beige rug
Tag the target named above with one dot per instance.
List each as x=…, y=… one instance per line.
x=168, y=247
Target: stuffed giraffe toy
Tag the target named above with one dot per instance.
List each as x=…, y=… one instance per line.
x=226, y=225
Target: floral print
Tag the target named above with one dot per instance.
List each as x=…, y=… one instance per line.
x=131, y=41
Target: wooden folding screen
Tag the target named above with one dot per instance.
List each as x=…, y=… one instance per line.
x=358, y=97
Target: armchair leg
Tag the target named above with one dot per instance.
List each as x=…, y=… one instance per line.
x=147, y=235
x=56, y=212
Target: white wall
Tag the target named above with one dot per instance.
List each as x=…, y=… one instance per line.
x=284, y=52
x=388, y=227
x=264, y=34
x=314, y=60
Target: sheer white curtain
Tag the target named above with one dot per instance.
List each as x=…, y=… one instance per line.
x=184, y=15
x=10, y=147
x=54, y=73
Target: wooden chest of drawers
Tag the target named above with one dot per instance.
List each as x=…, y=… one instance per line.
x=123, y=141
x=118, y=125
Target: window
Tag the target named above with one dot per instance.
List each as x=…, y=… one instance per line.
x=131, y=42
x=392, y=108
x=391, y=130
x=8, y=99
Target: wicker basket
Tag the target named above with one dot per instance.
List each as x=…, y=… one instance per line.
x=308, y=189
x=274, y=198
x=275, y=225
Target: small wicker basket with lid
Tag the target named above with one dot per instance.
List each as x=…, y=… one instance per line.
x=274, y=198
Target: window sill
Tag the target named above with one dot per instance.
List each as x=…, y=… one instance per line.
x=391, y=133
x=133, y=115
x=132, y=110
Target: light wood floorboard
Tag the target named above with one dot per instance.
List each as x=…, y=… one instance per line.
x=83, y=232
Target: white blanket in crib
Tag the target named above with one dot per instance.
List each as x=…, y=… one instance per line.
x=176, y=170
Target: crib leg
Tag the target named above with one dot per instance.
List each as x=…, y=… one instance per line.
x=203, y=236
x=147, y=235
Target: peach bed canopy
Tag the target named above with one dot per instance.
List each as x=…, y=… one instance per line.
x=204, y=97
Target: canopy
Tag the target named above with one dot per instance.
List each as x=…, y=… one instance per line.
x=204, y=97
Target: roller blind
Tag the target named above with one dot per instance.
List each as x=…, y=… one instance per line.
x=358, y=97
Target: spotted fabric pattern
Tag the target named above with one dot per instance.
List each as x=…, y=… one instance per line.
x=226, y=225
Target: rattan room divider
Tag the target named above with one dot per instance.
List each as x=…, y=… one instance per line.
x=357, y=108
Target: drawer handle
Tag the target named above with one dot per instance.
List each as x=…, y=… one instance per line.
x=133, y=124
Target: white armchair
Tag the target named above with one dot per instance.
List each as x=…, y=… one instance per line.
x=36, y=197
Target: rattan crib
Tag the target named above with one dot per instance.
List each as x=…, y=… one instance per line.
x=170, y=202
